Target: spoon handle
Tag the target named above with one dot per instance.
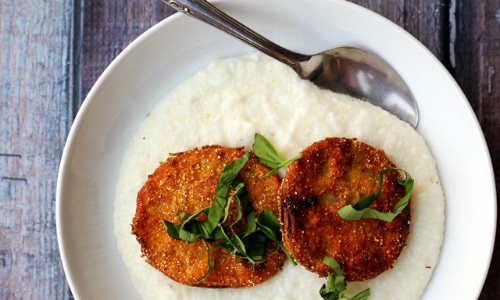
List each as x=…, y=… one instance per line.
x=206, y=12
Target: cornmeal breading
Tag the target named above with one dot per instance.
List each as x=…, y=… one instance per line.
x=186, y=182
x=333, y=173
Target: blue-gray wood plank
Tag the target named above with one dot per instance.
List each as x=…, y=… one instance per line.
x=477, y=71
x=36, y=82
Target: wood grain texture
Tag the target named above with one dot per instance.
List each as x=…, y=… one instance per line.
x=109, y=26
x=426, y=20
x=35, y=80
x=477, y=51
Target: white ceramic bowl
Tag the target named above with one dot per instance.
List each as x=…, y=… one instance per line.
x=177, y=47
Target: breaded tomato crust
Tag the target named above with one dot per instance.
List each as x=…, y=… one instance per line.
x=333, y=173
x=186, y=182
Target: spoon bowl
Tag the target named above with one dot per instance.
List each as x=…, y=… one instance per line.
x=345, y=70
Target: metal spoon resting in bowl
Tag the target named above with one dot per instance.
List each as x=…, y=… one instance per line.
x=344, y=70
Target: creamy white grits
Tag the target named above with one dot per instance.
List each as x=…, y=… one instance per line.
x=225, y=104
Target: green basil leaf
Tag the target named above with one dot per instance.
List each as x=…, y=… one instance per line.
x=235, y=245
x=282, y=164
x=269, y=156
x=247, y=209
x=254, y=244
x=328, y=291
x=172, y=229
x=269, y=221
x=226, y=178
x=190, y=231
x=335, y=287
x=362, y=211
x=338, y=283
x=253, y=247
x=270, y=226
x=217, y=234
x=251, y=224
x=237, y=189
x=265, y=152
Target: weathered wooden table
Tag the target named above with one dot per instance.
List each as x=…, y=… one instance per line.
x=52, y=52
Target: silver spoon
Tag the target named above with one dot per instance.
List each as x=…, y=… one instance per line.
x=344, y=70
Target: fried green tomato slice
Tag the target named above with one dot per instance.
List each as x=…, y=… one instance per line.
x=333, y=173
x=187, y=182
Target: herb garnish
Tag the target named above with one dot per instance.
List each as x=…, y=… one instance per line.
x=362, y=211
x=269, y=156
x=248, y=245
x=191, y=229
x=335, y=287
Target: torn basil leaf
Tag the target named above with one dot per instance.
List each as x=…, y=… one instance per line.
x=335, y=287
x=270, y=226
x=226, y=178
x=269, y=156
x=362, y=211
